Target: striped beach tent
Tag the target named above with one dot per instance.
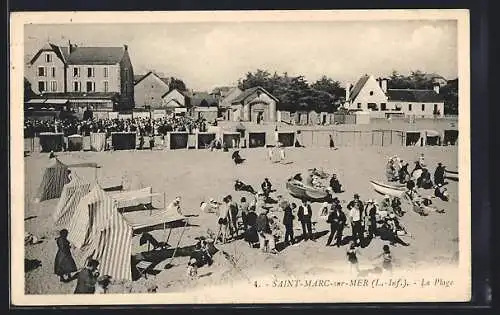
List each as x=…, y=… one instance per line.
x=71, y=195
x=54, y=178
x=101, y=233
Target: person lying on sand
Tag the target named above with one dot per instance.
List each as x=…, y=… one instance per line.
x=422, y=206
x=441, y=192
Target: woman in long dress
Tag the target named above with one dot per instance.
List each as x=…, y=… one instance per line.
x=64, y=263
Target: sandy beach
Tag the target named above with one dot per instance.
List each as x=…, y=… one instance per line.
x=198, y=175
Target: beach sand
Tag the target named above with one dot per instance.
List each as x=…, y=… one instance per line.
x=198, y=175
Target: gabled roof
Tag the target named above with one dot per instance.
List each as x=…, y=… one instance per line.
x=96, y=55
x=168, y=92
x=50, y=47
x=417, y=96
x=147, y=75
x=248, y=92
x=358, y=87
x=221, y=89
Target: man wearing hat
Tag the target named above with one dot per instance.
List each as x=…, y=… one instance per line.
x=335, y=184
x=304, y=215
x=87, y=278
x=356, y=208
x=371, y=214
x=439, y=174
x=337, y=220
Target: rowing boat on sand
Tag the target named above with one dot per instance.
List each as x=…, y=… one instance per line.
x=385, y=189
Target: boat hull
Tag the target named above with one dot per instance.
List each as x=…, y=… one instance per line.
x=451, y=175
x=305, y=192
x=387, y=189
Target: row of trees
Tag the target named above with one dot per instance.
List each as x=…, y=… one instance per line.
x=295, y=93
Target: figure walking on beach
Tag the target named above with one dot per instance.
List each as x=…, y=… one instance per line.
x=305, y=214
x=288, y=218
x=337, y=220
x=64, y=263
x=87, y=278
x=223, y=221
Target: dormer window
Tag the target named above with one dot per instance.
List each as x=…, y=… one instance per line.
x=48, y=57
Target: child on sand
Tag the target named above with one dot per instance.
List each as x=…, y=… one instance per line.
x=352, y=257
x=386, y=259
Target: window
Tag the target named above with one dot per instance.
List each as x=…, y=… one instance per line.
x=53, y=72
x=76, y=86
x=409, y=108
x=106, y=86
x=383, y=106
x=106, y=72
x=373, y=106
x=125, y=74
x=90, y=86
x=371, y=93
x=76, y=72
x=48, y=57
x=53, y=86
x=423, y=107
x=42, y=86
x=90, y=72
x=359, y=105
x=41, y=71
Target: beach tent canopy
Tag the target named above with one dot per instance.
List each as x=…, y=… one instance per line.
x=54, y=178
x=71, y=195
x=101, y=233
x=433, y=133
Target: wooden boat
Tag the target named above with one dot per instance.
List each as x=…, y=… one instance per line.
x=298, y=190
x=385, y=189
x=451, y=174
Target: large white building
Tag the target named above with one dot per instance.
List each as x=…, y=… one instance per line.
x=370, y=94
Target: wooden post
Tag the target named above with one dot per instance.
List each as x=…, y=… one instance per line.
x=178, y=242
x=391, y=137
x=382, y=138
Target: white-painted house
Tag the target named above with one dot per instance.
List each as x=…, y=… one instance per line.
x=174, y=101
x=372, y=95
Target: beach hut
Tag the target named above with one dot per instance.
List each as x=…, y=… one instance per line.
x=432, y=137
x=231, y=139
x=256, y=139
x=123, y=140
x=101, y=233
x=450, y=136
x=71, y=195
x=286, y=138
x=98, y=141
x=177, y=140
x=54, y=178
x=204, y=139
x=51, y=141
x=75, y=143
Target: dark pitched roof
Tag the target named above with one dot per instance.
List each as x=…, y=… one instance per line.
x=138, y=77
x=221, y=89
x=168, y=92
x=433, y=76
x=96, y=55
x=357, y=88
x=248, y=92
x=417, y=96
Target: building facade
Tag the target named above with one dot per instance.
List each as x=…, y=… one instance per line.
x=372, y=95
x=254, y=104
x=94, y=76
x=149, y=91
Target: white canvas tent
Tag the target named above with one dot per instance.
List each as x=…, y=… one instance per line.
x=101, y=233
x=71, y=195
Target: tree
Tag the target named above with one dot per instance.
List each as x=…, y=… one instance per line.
x=450, y=95
x=177, y=84
x=328, y=93
x=415, y=80
x=28, y=91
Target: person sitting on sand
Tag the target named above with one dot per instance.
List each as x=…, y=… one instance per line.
x=387, y=233
x=237, y=159
x=424, y=181
x=266, y=188
x=297, y=177
x=335, y=184
x=390, y=171
x=102, y=285
x=404, y=175
x=199, y=257
x=87, y=278
x=441, y=192
x=439, y=174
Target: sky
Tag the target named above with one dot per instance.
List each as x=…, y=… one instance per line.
x=210, y=54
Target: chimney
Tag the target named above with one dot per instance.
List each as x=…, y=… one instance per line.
x=71, y=47
x=436, y=88
x=347, y=92
x=383, y=84
x=125, y=46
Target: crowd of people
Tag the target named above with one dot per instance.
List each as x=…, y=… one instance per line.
x=142, y=126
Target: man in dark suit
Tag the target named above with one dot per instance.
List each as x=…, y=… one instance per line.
x=337, y=220
x=87, y=278
x=305, y=214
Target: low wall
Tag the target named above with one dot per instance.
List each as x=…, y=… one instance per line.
x=177, y=140
x=204, y=139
